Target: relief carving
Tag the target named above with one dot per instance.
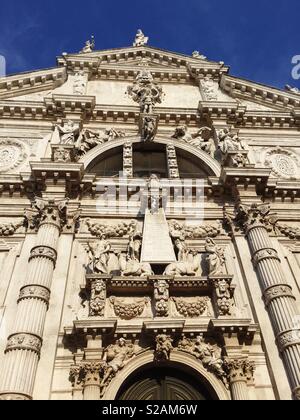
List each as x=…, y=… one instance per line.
x=129, y=308
x=145, y=92
x=98, y=297
x=215, y=258
x=209, y=355
x=163, y=347
x=98, y=253
x=88, y=139
x=8, y=229
x=223, y=295
x=192, y=307
x=116, y=356
x=161, y=298
x=202, y=139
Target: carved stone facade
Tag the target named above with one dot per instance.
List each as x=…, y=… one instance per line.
x=149, y=219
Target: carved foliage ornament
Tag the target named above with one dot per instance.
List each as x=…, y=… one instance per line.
x=8, y=229
x=126, y=309
x=191, y=307
x=284, y=163
x=24, y=342
x=111, y=231
x=12, y=154
x=195, y=231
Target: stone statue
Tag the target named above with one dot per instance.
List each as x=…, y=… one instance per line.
x=196, y=54
x=67, y=133
x=210, y=356
x=202, y=139
x=98, y=298
x=132, y=267
x=187, y=267
x=223, y=292
x=99, y=255
x=145, y=92
x=178, y=239
x=148, y=128
x=215, y=258
x=161, y=297
x=80, y=82
x=116, y=356
x=140, y=39
x=292, y=89
x=229, y=141
x=134, y=246
x=89, y=46
x=163, y=347
x=88, y=139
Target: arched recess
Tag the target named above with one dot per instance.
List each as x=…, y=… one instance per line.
x=207, y=160
x=177, y=358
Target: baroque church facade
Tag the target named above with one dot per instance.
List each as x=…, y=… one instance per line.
x=149, y=231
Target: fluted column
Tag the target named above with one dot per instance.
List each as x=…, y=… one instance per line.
x=239, y=372
x=24, y=345
x=278, y=295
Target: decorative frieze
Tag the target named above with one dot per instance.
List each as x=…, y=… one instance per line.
x=45, y=252
x=24, y=341
x=288, y=339
x=35, y=292
x=264, y=254
x=277, y=291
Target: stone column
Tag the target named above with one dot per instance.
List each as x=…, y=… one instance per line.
x=24, y=345
x=277, y=294
x=240, y=370
x=91, y=381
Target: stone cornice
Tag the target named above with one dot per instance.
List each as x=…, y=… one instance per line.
x=245, y=89
x=157, y=57
x=24, y=83
x=57, y=104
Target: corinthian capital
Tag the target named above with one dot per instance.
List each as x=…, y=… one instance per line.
x=239, y=369
x=57, y=212
x=247, y=216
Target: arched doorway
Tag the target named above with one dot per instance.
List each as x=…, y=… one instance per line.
x=164, y=384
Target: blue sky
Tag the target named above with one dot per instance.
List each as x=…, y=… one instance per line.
x=257, y=38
